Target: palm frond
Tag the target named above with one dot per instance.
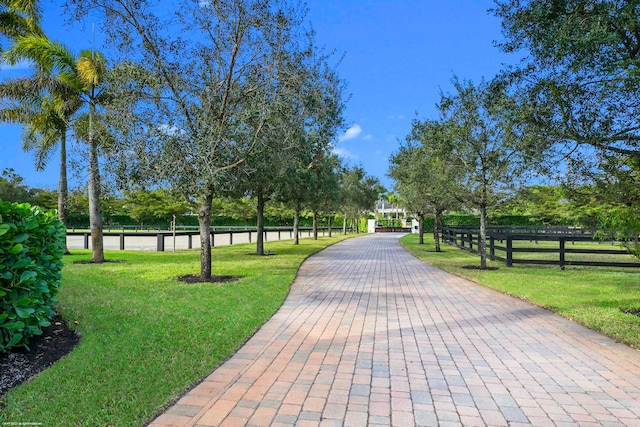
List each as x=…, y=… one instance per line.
x=91, y=67
x=50, y=56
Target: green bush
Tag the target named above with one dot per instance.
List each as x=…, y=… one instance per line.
x=31, y=250
x=460, y=220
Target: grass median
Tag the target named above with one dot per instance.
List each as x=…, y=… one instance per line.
x=597, y=297
x=147, y=337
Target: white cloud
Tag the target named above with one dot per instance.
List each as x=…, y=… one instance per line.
x=351, y=133
x=341, y=152
x=368, y=137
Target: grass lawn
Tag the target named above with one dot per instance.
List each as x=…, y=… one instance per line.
x=593, y=296
x=147, y=337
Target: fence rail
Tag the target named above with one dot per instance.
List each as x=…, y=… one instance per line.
x=500, y=240
x=158, y=239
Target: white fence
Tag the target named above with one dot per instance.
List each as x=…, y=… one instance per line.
x=166, y=240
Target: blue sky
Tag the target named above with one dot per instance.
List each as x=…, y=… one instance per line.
x=398, y=55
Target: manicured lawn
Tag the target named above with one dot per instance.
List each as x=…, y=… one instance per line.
x=593, y=296
x=147, y=337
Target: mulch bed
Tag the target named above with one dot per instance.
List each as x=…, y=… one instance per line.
x=194, y=278
x=18, y=365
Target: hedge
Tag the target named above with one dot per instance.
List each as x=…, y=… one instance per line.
x=31, y=250
x=457, y=220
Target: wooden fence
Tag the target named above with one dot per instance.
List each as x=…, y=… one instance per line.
x=161, y=237
x=504, y=243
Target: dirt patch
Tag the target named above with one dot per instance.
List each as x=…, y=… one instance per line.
x=193, y=278
x=477, y=267
x=18, y=365
x=632, y=311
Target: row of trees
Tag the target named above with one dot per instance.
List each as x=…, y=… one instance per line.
x=156, y=207
x=572, y=100
x=211, y=99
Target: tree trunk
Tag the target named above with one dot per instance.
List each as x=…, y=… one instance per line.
x=436, y=227
x=95, y=215
x=204, y=222
x=421, y=229
x=315, y=225
x=483, y=237
x=296, y=225
x=260, y=225
x=344, y=225
x=329, y=223
x=62, y=186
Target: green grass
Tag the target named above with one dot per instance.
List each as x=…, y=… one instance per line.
x=147, y=337
x=592, y=296
x=554, y=256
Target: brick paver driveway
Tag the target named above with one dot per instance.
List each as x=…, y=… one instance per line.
x=369, y=335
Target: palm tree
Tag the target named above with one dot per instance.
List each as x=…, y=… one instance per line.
x=19, y=18
x=394, y=199
x=83, y=76
x=44, y=106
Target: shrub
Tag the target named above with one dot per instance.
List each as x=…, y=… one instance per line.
x=31, y=250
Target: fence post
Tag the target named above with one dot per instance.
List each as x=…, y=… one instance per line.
x=492, y=250
x=86, y=240
x=470, y=234
x=278, y=234
x=122, y=241
x=189, y=241
x=562, y=253
x=509, y=251
x=231, y=238
x=160, y=242
x=249, y=236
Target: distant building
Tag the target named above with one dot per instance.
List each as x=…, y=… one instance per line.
x=386, y=210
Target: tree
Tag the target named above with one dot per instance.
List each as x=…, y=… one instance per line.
x=425, y=180
x=12, y=187
x=19, y=18
x=155, y=205
x=324, y=188
x=358, y=193
x=394, y=199
x=81, y=78
x=579, y=85
x=194, y=94
x=44, y=106
x=307, y=175
x=484, y=144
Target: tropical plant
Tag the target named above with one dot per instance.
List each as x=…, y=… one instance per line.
x=80, y=77
x=44, y=106
x=31, y=249
x=19, y=18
